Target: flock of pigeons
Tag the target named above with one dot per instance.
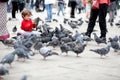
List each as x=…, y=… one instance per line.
x=26, y=46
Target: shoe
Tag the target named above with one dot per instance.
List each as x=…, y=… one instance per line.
x=2, y=41
x=87, y=34
x=111, y=24
x=72, y=16
x=103, y=38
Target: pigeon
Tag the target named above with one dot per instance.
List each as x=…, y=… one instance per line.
x=116, y=38
x=54, y=42
x=98, y=40
x=102, y=51
x=14, y=29
x=66, y=39
x=24, y=77
x=9, y=58
x=115, y=45
x=3, y=71
x=22, y=53
x=45, y=52
x=55, y=20
x=79, y=48
x=65, y=20
x=36, y=21
x=37, y=45
x=72, y=25
x=64, y=48
x=8, y=42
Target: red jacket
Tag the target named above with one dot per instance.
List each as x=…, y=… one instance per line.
x=27, y=25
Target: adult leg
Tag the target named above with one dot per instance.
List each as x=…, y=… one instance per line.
x=15, y=8
x=102, y=19
x=92, y=20
x=50, y=10
x=73, y=4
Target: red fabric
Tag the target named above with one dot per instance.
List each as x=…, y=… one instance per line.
x=95, y=4
x=27, y=25
x=4, y=37
x=84, y=2
x=104, y=1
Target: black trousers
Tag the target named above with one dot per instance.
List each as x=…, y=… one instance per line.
x=14, y=9
x=73, y=5
x=101, y=13
x=21, y=6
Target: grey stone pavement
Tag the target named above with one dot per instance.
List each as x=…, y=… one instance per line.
x=89, y=66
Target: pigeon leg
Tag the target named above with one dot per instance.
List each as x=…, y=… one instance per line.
x=77, y=55
x=101, y=57
x=44, y=58
x=1, y=78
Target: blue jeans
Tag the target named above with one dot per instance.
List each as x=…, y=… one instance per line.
x=61, y=8
x=49, y=11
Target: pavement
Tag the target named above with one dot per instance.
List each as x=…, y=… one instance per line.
x=88, y=66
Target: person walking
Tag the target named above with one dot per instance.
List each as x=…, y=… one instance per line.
x=79, y=6
x=4, y=34
x=60, y=7
x=72, y=4
x=14, y=8
x=21, y=5
x=101, y=12
x=48, y=6
x=111, y=10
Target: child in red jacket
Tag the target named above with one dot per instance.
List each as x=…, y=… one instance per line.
x=27, y=24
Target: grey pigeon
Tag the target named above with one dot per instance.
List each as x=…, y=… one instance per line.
x=55, y=41
x=55, y=20
x=115, y=45
x=14, y=29
x=9, y=58
x=65, y=20
x=22, y=53
x=102, y=51
x=73, y=25
x=79, y=48
x=37, y=45
x=3, y=71
x=45, y=52
x=98, y=40
x=116, y=38
x=64, y=47
x=24, y=77
x=8, y=42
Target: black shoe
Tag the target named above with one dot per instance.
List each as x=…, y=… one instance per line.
x=111, y=24
x=72, y=16
x=87, y=34
x=103, y=38
x=2, y=41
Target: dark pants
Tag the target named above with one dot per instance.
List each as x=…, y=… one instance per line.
x=21, y=6
x=73, y=5
x=14, y=9
x=101, y=12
